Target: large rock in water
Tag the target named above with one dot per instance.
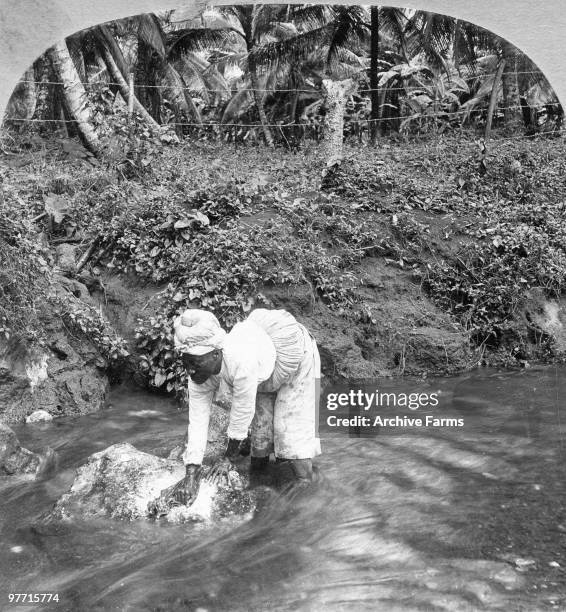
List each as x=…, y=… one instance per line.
x=14, y=459
x=121, y=481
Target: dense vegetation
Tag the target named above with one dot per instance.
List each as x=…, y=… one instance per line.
x=478, y=232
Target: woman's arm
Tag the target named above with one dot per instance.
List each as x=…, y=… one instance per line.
x=244, y=391
x=200, y=404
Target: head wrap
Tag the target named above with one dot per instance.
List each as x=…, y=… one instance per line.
x=198, y=332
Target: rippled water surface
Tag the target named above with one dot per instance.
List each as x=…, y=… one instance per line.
x=469, y=518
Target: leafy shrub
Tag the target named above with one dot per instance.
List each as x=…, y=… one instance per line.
x=487, y=283
x=87, y=320
x=223, y=271
x=364, y=181
x=24, y=276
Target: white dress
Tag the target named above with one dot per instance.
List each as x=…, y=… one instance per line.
x=271, y=376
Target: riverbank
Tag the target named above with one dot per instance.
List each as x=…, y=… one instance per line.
x=412, y=259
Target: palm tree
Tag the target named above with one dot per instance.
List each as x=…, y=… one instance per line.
x=74, y=95
x=511, y=96
x=119, y=70
x=441, y=36
x=186, y=69
x=247, y=27
x=259, y=25
x=393, y=21
x=22, y=102
x=150, y=54
x=278, y=42
x=373, y=69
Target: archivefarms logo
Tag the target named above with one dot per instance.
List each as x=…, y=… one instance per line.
x=371, y=408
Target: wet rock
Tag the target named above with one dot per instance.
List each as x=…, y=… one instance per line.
x=73, y=392
x=14, y=459
x=120, y=482
x=58, y=380
x=212, y=502
x=39, y=416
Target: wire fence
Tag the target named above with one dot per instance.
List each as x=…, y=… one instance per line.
x=350, y=119
x=313, y=89
x=440, y=144
x=356, y=122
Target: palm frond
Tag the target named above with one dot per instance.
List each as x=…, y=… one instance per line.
x=350, y=27
x=283, y=30
x=104, y=37
x=292, y=49
x=311, y=16
x=224, y=61
x=393, y=22
x=123, y=27
x=201, y=39
x=240, y=103
x=151, y=33
x=432, y=34
x=176, y=90
x=75, y=46
x=201, y=77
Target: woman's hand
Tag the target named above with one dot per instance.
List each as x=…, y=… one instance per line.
x=220, y=469
x=186, y=490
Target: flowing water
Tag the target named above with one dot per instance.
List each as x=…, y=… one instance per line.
x=468, y=518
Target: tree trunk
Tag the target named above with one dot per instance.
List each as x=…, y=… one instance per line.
x=117, y=76
x=336, y=94
x=493, y=99
x=511, y=98
x=293, y=109
x=21, y=105
x=74, y=95
x=124, y=89
x=456, y=45
x=146, y=75
x=373, y=79
x=294, y=118
x=258, y=97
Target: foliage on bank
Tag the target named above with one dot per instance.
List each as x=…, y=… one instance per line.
x=212, y=226
x=506, y=212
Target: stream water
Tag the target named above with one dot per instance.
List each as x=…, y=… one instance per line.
x=468, y=518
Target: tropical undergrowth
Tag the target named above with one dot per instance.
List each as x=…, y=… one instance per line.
x=204, y=249
x=24, y=274
x=507, y=228
x=518, y=245
x=213, y=225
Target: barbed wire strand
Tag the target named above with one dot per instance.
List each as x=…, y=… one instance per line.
x=440, y=143
x=249, y=89
x=350, y=120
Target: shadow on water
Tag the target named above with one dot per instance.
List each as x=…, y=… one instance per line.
x=434, y=519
